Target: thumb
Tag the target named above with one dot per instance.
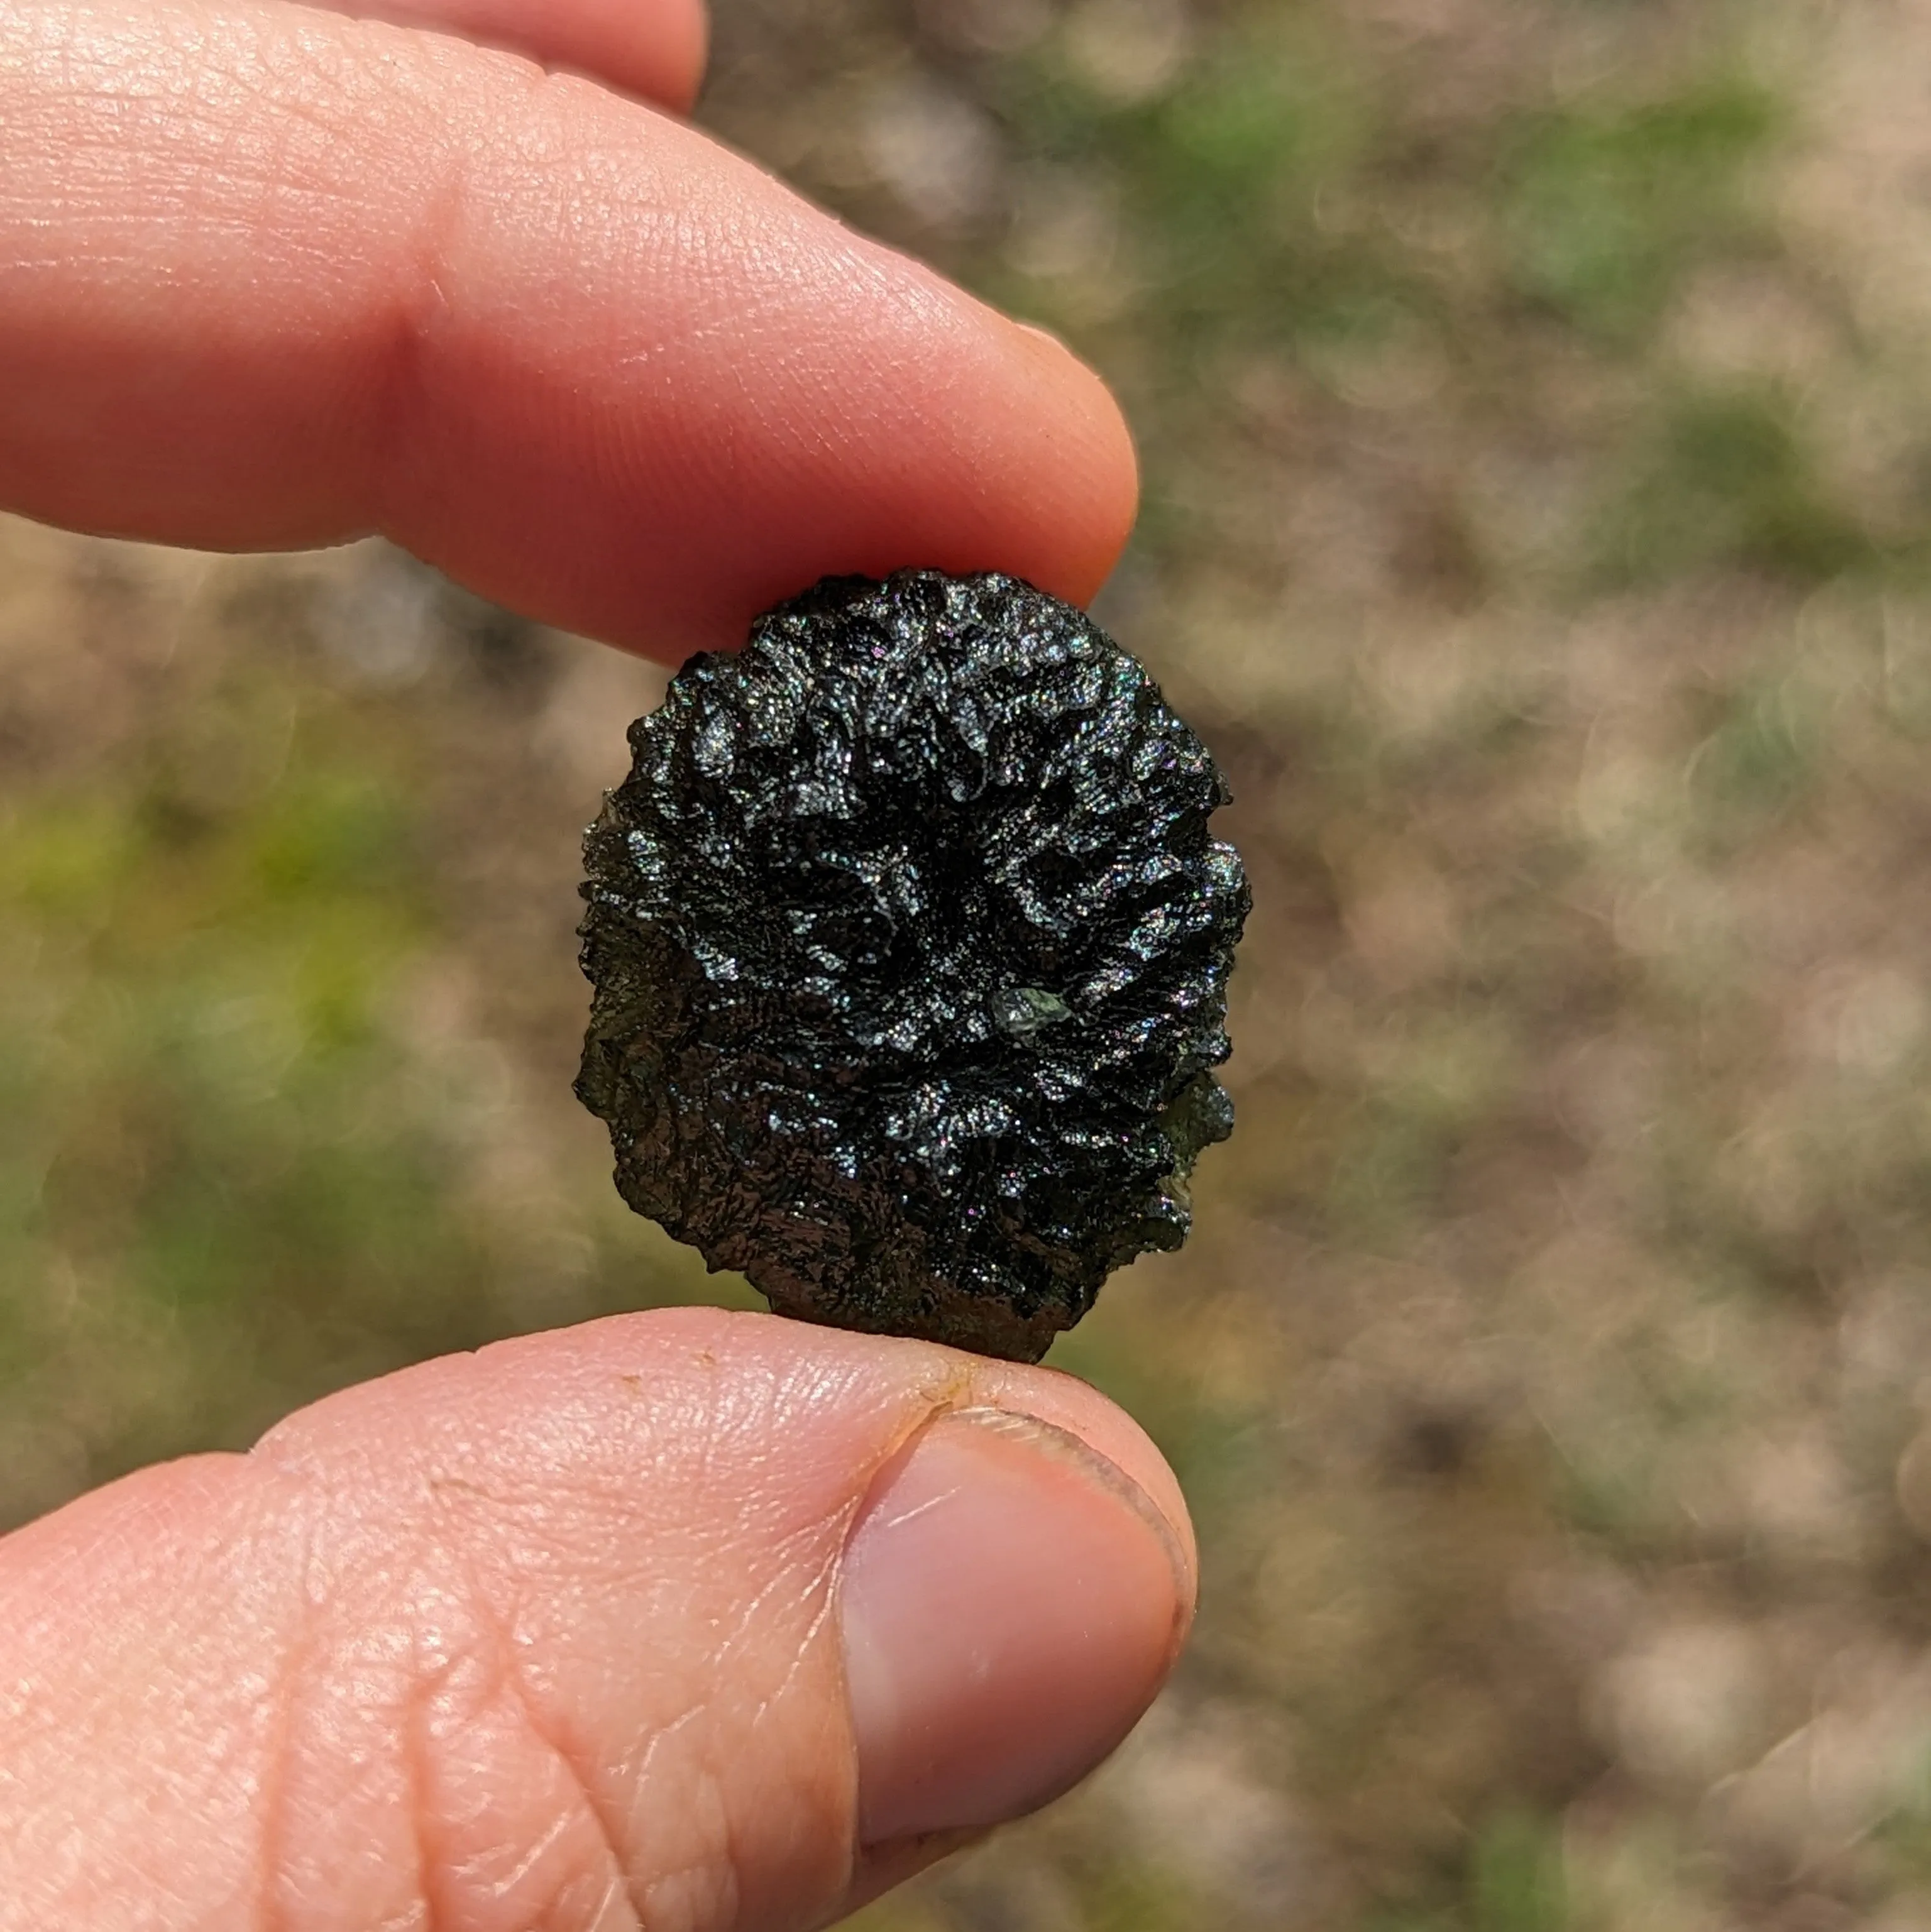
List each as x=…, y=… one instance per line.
x=683, y=1619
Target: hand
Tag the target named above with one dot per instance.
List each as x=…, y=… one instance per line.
x=271, y=277
x=687, y=1620
x=682, y=1620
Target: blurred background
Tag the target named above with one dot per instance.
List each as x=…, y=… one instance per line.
x=1535, y=399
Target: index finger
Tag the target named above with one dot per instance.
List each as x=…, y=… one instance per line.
x=271, y=277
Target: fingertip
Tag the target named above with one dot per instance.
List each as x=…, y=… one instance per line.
x=1083, y=1411
x=665, y=47
x=1011, y=1603
x=1096, y=452
x=656, y=49
x=595, y=367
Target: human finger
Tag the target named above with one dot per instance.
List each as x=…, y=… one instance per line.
x=270, y=277
x=681, y=1618
x=652, y=48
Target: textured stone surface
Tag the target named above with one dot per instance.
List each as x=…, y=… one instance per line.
x=910, y=943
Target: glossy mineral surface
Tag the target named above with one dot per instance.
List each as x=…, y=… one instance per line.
x=910, y=944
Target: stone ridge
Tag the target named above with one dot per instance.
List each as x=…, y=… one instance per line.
x=910, y=944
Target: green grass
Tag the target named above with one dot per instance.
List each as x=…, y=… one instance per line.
x=214, y=1128
x=1728, y=478
x=1607, y=204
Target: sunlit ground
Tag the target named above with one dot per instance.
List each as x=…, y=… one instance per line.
x=1535, y=406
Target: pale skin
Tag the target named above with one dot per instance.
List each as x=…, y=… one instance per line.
x=683, y=1621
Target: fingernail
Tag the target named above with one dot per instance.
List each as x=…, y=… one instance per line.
x=1011, y=1603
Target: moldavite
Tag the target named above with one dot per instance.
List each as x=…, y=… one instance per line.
x=910, y=946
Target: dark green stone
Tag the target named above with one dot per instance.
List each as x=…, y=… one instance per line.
x=910, y=944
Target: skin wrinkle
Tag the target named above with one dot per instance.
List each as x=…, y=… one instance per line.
x=749, y=1612
x=714, y=1880
x=628, y=444
x=584, y=1787
x=614, y=1912
x=507, y=1882
x=718, y=1870
x=660, y=1735
x=188, y=113
x=301, y=78
x=499, y=1628
x=309, y=1661
x=615, y=1876
x=186, y=120
x=409, y=1746
x=826, y=1607
x=412, y=1749
x=750, y=1423
x=640, y=1778
x=399, y=408
x=413, y=1743
x=277, y=1772
x=530, y=1504
x=380, y=1669
x=426, y=1737
x=800, y=411
x=715, y=1883
x=822, y=1589
x=234, y=1768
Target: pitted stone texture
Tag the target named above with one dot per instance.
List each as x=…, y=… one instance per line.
x=910, y=944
